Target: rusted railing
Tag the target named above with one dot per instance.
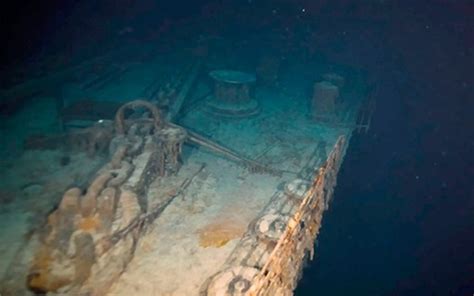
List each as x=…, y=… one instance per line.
x=283, y=267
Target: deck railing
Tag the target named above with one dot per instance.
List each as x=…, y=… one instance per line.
x=280, y=273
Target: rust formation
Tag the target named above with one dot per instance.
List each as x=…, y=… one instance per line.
x=91, y=237
x=270, y=256
x=232, y=94
x=281, y=271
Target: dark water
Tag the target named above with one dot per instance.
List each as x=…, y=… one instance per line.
x=402, y=220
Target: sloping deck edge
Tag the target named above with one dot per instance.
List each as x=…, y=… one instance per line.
x=261, y=265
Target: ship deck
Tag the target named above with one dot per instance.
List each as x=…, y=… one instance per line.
x=204, y=229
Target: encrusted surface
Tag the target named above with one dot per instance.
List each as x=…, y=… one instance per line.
x=163, y=219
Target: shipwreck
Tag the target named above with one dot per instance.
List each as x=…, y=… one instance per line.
x=205, y=182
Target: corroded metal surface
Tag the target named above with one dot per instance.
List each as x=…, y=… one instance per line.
x=279, y=259
x=280, y=273
x=91, y=237
x=232, y=94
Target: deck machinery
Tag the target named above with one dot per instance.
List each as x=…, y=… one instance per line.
x=235, y=213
